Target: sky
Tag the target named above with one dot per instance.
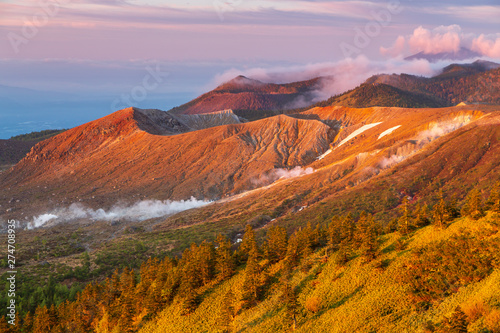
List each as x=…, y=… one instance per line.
x=66, y=62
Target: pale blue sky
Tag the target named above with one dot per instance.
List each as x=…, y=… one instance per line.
x=82, y=54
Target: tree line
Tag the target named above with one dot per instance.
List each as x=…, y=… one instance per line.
x=128, y=299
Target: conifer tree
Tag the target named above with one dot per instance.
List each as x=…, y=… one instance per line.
x=292, y=252
x=224, y=258
x=451, y=210
x=126, y=322
x=366, y=235
x=422, y=216
x=190, y=270
x=114, y=285
x=344, y=252
x=276, y=243
x=347, y=228
x=405, y=223
x=473, y=206
x=439, y=212
x=171, y=284
x=53, y=316
x=494, y=199
x=103, y=325
x=289, y=300
x=205, y=261
x=189, y=297
x=362, y=228
x=333, y=233
x=305, y=238
x=41, y=320
x=28, y=323
x=251, y=284
x=227, y=311
x=127, y=281
x=248, y=243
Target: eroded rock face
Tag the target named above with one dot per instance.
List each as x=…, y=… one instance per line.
x=123, y=155
x=133, y=154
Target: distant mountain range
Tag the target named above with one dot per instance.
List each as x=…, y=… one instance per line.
x=245, y=96
x=476, y=82
x=243, y=99
x=470, y=83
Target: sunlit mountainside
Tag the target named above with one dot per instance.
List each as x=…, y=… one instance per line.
x=243, y=211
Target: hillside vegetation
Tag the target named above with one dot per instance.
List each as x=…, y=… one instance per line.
x=449, y=87
x=430, y=270
x=14, y=149
x=37, y=136
x=379, y=94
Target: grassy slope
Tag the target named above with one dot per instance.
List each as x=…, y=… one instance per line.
x=359, y=297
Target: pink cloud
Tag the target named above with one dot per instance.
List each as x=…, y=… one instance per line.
x=487, y=45
x=440, y=39
x=443, y=39
x=396, y=49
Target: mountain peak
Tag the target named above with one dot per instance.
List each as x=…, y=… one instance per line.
x=462, y=54
x=240, y=81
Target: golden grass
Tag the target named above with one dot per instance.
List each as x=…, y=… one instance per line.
x=358, y=297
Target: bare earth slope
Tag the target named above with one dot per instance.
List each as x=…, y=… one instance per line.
x=115, y=158
x=381, y=155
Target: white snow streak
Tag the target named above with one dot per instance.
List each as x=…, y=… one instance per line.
x=322, y=156
x=389, y=131
x=358, y=132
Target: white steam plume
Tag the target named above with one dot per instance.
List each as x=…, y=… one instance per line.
x=295, y=172
x=280, y=173
x=139, y=211
x=434, y=131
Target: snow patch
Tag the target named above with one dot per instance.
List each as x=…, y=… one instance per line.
x=387, y=132
x=358, y=132
x=322, y=156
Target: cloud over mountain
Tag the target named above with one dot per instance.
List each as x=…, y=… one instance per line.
x=443, y=39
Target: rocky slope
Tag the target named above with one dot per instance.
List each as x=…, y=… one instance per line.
x=123, y=157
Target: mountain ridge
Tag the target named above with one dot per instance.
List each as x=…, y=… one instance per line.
x=461, y=54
